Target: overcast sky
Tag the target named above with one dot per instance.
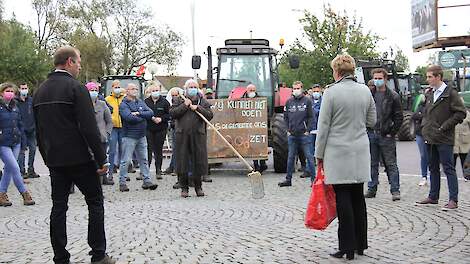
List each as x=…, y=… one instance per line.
x=217, y=20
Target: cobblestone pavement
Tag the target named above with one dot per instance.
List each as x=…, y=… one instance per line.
x=227, y=226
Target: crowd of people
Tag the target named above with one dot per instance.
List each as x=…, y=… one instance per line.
x=115, y=134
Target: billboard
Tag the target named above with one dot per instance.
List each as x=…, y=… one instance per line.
x=423, y=22
x=452, y=59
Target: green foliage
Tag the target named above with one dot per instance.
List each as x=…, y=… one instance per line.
x=20, y=58
x=421, y=70
x=336, y=33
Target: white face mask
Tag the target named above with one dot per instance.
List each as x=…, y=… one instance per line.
x=251, y=94
x=296, y=92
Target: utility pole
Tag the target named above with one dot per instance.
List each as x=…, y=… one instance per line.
x=194, y=37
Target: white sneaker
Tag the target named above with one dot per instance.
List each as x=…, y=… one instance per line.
x=423, y=182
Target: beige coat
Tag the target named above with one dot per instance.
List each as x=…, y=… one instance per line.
x=347, y=109
x=462, y=136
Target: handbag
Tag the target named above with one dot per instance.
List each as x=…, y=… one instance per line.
x=321, y=208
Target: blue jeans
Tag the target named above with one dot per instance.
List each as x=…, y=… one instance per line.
x=115, y=139
x=423, y=152
x=442, y=154
x=31, y=144
x=129, y=145
x=305, y=143
x=11, y=169
x=384, y=147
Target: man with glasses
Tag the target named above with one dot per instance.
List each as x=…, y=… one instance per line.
x=134, y=114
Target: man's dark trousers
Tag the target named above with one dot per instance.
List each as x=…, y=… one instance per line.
x=155, y=141
x=84, y=176
x=385, y=147
x=442, y=154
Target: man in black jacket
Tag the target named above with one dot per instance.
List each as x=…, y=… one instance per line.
x=157, y=126
x=298, y=115
x=443, y=111
x=70, y=144
x=382, y=136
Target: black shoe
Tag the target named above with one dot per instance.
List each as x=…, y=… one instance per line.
x=149, y=185
x=199, y=192
x=176, y=186
x=360, y=252
x=340, y=254
x=32, y=174
x=139, y=177
x=108, y=181
x=24, y=175
x=159, y=176
x=285, y=184
x=115, y=169
x=127, y=178
x=131, y=169
x=123, y=188
x=370, y=194
x=305, y=175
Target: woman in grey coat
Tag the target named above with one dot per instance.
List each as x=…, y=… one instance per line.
x=342, y=149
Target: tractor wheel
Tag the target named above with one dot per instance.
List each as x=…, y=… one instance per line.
x=280, y=148
x=407, y=130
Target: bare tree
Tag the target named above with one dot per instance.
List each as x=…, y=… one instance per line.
x=51, y=22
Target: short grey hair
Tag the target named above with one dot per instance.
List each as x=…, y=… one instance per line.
x=190, y=81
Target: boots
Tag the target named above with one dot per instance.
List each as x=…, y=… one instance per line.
x=4, y=200
x=28, y=200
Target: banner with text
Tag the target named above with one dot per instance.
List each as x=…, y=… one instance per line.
x=244, y=123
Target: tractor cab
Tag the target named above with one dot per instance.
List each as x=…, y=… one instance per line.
x=246, y=61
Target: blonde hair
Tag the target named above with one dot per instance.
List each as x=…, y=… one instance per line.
x=6, y=85
x=148, y=91
x=298, y=83
x=115, y=82
x=190, y=81
x=343, y=64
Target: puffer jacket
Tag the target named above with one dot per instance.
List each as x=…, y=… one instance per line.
x=114, y=101
x=11, y=125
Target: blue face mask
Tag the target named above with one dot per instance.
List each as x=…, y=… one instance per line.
x=155, y=94
x=93, y=94
x=192, y=91
x=379, y=83
x=316, y=95
x=24, y=93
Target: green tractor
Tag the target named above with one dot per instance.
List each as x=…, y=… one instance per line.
x=124, y=80
x=406, y=85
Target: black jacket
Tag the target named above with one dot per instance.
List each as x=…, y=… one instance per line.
x=298, y=115
x=26, y=110
x=392, y=113
x=160, y=108
x=66, y=127
x=441, y=117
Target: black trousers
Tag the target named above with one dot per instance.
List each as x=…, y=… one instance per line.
x=462, y=156
x=84, y=176
x=155, y=140
x=352, y=216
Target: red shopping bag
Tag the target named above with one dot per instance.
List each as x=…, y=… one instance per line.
x=321, y=209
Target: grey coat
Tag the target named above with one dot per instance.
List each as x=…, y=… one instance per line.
x=103, y=119
x=347, y=109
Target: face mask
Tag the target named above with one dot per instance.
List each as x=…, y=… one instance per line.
x=24, y=92
x=378, y=83
x=192, y=91
x=133, y=93
x=7, y=96
x=297, y=93
x=93, y=94
x=251, y=94
x=155, y=94
x=209, y=97
x=117, y=91
x=316, y=95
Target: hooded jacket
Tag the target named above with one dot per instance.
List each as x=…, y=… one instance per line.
x=298, y=115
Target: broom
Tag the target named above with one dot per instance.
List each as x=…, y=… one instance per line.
x=257, y=186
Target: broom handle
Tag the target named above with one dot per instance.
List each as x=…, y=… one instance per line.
x=223, y=138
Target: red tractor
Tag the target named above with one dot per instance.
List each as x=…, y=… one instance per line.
x=245, y=61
